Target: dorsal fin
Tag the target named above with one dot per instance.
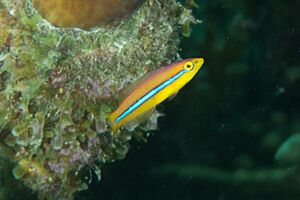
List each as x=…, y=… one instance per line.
x=124, y=93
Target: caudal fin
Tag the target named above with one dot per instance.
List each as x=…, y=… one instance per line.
x=114, y=126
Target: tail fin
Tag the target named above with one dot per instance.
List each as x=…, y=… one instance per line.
x=114, y=126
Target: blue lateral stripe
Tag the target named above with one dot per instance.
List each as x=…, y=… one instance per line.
x=149, y=95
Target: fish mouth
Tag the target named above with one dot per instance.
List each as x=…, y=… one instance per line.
x=198, y=62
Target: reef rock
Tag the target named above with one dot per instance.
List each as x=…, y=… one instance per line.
x=57, y=84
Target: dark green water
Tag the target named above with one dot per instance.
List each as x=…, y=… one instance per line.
x=220, y=134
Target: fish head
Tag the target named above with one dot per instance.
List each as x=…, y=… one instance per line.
x=185, y=70
x=191, y=67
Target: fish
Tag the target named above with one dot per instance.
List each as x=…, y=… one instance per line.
x=146, y=93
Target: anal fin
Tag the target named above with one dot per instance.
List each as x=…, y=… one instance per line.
x=139, y=119
x=145, y=115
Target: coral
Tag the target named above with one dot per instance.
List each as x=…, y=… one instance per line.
x=84, y=14
x=58, y=84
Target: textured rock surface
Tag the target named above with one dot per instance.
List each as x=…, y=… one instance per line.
x=58, y=84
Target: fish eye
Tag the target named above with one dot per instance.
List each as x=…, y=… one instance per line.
x=188, y=66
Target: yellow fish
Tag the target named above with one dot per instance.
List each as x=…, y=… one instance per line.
x=153, y=89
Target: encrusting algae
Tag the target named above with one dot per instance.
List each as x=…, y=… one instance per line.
x=58, y=84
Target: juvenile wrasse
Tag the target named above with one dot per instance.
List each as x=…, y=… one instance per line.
x=152, y=89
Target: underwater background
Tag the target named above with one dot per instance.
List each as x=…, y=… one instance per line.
x=220, y=134
x=233, y=132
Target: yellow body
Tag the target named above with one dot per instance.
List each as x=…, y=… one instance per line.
x=152, y=90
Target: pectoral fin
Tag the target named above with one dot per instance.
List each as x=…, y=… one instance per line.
x=172, y=96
